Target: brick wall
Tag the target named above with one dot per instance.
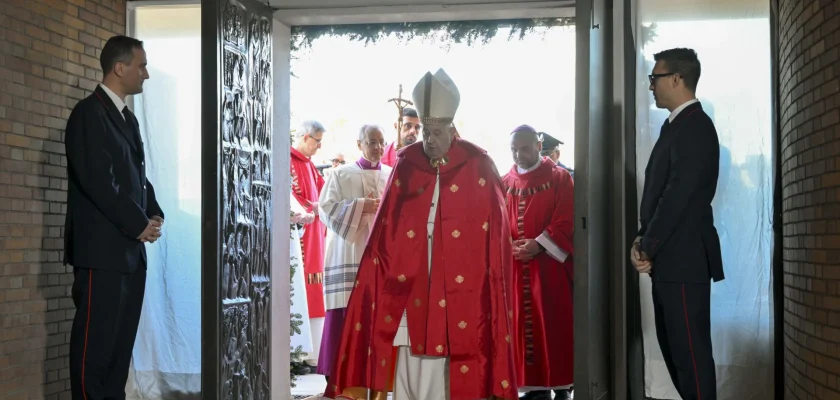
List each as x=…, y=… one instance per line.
x=809, y=72
x=49, y=59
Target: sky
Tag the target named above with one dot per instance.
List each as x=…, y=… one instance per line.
x=503, y=84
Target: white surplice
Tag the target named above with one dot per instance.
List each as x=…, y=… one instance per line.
x=348, y=228
x=421, y=377
x=299, y=304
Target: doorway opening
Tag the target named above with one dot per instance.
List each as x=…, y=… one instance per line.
x=507, y=81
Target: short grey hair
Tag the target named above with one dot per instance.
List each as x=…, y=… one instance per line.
x=367, y=128
x=309, y=127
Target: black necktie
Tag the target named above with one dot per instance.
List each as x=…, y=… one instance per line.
x=129, y=119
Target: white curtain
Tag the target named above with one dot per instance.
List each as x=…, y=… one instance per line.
x=733, y=43
x=167, y=355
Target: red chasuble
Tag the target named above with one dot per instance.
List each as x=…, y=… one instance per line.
x=542, y=201
x=306, y=187
x=389, y=156
x=460, y=310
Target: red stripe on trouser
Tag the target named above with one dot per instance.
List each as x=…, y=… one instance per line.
x=690, y=346
x=87, y=328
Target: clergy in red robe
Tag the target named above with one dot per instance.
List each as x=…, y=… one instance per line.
x=433, y=283
x=540, y=204
x=306, y=188
x=407, y=133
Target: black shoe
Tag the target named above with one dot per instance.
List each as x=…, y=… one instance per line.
x=537, y=395
x=563, y=394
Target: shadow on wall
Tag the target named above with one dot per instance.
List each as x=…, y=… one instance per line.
x=54, y=307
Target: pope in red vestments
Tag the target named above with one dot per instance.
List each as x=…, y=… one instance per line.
x=452, y=283
x=306, y=188
x=540, y=204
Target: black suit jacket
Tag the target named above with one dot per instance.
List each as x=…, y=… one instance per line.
x=571, y=171
x=678, y=231
x=109, y=199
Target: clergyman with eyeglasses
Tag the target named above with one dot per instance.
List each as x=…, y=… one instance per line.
x=349, y=202
x=306, y=188
x=337, y=161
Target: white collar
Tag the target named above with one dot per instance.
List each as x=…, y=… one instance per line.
x=529, y=169
x=679, y=109
x=113, y=96
x=372, y=164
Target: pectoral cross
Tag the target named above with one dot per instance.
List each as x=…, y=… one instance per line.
x=400, y=103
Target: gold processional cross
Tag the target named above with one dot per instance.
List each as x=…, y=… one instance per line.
x=401, y=104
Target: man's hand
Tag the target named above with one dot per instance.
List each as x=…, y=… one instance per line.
x=638, y=257
x=525, y=249
x=152, y=231
x=371, y=204
x=304, y=219
x=315, y=208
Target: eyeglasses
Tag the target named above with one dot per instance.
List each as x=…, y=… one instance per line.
x=653, y=77
x=315, y=139
x=335, y=160
x=379, y=143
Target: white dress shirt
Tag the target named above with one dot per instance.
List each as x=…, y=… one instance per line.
x=679, y=109
x=116, y=99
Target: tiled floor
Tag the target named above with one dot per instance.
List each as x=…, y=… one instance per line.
x=310, y=387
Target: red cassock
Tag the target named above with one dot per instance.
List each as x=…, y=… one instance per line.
x=542, y=201
x=306, y=187
x=389, y=156
x=461, y=310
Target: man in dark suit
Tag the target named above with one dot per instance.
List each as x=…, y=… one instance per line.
x=111, y=213
x=678, y=244
x=551, y=149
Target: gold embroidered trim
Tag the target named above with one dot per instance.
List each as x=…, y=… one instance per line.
x=436, y=120
x=528, y=191
x=315, y=278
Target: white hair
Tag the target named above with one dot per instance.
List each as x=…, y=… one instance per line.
x=366, y=129
x=309, y=127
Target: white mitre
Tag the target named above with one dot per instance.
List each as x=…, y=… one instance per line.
x=436, y=98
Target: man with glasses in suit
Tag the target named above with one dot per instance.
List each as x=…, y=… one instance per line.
x=677, y=243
